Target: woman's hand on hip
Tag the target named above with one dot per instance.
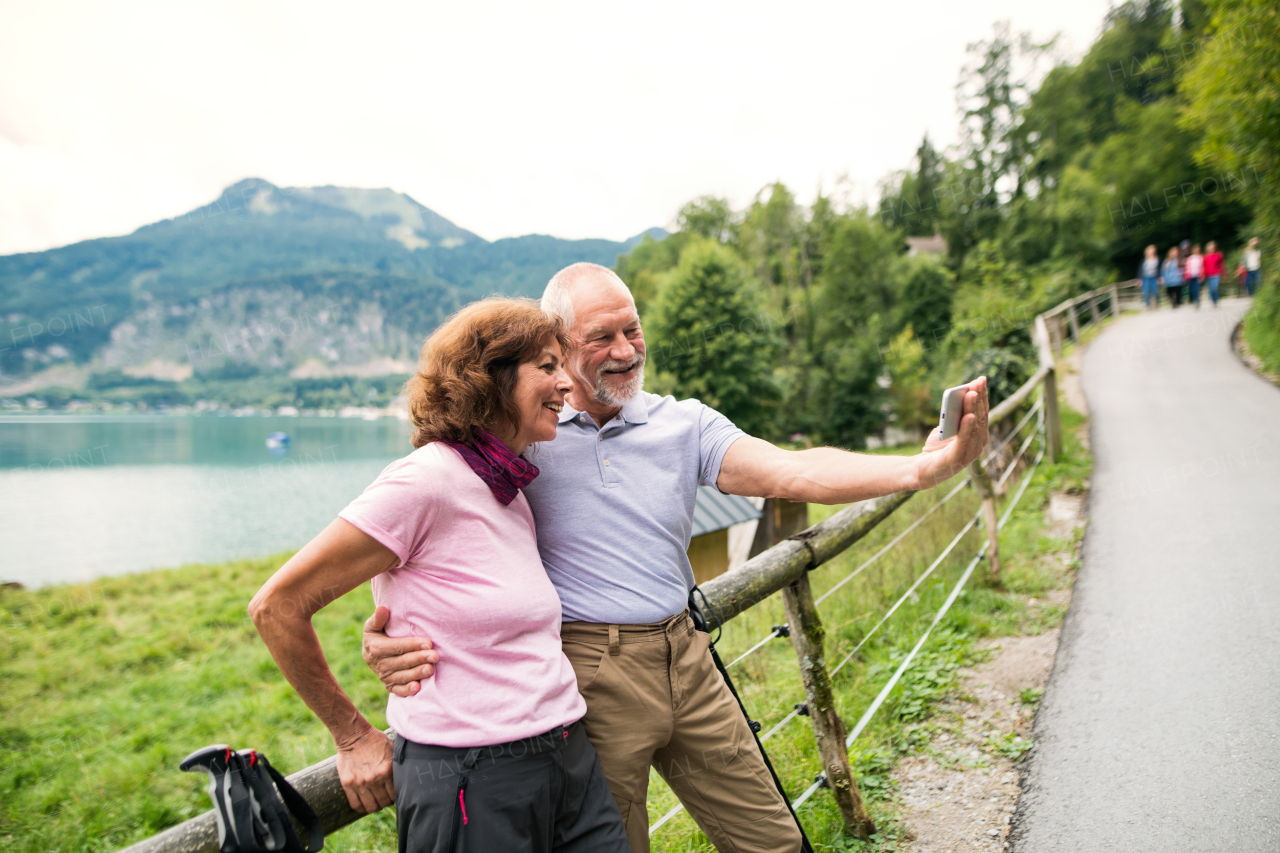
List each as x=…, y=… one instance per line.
x=364, y=769
x=401, y=662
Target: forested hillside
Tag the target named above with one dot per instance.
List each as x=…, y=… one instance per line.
x=816, y=322
x=291, y=283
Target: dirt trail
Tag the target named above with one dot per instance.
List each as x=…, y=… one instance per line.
x=961, y=791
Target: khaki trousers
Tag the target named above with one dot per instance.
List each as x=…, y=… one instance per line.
x=654, y=698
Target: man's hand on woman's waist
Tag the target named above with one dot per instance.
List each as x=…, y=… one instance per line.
x=401, y=662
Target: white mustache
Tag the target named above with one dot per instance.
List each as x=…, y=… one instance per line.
x=636, y=361
x=616, y=396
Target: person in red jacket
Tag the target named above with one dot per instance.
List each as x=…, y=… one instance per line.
x=1212, y=270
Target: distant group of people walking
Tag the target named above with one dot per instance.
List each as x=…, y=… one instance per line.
x=1185, y=269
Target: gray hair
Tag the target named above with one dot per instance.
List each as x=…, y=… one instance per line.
x=557, y=299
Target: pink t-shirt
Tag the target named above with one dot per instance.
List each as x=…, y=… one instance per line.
x=470, y=578
x=1195, y=266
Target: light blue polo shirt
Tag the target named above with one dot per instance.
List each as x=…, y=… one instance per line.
x=614, y=506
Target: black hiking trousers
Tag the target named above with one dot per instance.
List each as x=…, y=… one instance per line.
x=542, y=794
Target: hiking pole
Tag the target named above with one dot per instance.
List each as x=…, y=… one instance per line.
x=253, y=802
x=700, y=622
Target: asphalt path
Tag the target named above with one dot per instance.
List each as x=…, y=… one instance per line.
x=1160, y=726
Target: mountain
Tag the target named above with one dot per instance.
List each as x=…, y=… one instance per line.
x=301, y=281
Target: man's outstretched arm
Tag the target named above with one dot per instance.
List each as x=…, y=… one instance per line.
x=825, y=475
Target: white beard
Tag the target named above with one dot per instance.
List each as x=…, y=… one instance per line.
x=614, y=394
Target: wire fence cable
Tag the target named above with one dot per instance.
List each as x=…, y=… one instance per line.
x=893, y=541
x=937, y=562
x=902, y=668
x=991, y=454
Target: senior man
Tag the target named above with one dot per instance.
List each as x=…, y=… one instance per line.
x=614, y=507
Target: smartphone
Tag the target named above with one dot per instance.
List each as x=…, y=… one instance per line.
x=952, y=410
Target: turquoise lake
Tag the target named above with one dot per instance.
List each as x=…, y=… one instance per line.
x=84, y=497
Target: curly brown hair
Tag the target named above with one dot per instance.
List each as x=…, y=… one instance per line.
x=467, y=373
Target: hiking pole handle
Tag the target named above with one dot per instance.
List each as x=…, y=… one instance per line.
x=213, y=762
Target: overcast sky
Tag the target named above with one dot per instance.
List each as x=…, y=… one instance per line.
x=578, y=120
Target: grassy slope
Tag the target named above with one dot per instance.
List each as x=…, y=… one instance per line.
x=104, y=687
x=1262, y=324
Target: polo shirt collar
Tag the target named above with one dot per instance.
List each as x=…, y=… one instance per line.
x=634, y=411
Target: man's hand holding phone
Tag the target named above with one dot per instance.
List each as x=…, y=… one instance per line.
x=946, y=455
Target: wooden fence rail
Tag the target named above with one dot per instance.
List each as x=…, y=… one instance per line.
x=782, y=568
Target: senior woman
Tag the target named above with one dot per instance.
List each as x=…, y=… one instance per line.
x=490, y=754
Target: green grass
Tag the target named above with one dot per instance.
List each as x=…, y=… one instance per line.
x=1262, y=324
x=105, y=686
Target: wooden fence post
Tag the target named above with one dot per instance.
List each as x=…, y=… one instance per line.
x=1075, y=321
x=779, y=519
x=990, y=517
x=1052, y=420
x=1058, y=336
x=1115, y=300
x=809, y=638
x=1093, y=308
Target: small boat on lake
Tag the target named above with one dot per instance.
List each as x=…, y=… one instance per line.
x=278, y=439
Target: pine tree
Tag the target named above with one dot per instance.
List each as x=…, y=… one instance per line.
x=710, y=339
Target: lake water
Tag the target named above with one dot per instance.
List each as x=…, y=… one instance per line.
x=84, y=497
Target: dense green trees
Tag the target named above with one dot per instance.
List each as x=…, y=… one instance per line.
x=1233, y=107
x=1058, y=183
x=777, y=314
x=708, y=338
x=927, y=293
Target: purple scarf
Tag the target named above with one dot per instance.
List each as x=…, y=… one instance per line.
x=502, y=471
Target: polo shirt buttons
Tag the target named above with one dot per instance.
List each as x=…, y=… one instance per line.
x=606, y=463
